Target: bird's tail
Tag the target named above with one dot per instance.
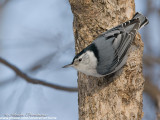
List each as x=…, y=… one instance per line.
x=143, y=20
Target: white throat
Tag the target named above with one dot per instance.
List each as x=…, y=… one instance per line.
x=89, y=65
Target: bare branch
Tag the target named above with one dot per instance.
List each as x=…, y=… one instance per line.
x=39, y=64
x=152, y=90
x=151, y=59
x=4, y=3
x=36, y=81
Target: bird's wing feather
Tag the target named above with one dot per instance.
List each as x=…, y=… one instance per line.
x=113, y=46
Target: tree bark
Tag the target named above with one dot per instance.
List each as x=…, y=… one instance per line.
x=98, y=98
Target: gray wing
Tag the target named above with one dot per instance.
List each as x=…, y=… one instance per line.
x=113, y=45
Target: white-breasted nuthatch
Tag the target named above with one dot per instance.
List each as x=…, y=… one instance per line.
x=108, y=52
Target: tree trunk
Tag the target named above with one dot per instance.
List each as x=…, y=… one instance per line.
x=122, y=98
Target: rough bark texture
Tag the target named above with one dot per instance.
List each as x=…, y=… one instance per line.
x=122, y=98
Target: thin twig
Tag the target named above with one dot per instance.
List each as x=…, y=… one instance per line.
x=4, y=3
x=152, y=90
x=37, y=65
x=148, y=59
x=36, y=81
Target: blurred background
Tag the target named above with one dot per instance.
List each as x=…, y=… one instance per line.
x=37, y=37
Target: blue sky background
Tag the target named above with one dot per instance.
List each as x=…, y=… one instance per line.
x=33, y=29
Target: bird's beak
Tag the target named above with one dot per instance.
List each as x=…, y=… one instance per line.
x=69, y=65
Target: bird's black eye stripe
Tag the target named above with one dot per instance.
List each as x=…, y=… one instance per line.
x=80, y=59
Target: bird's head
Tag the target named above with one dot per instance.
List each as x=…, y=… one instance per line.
x=81, y=61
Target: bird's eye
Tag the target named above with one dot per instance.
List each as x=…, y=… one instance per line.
x=80, y=59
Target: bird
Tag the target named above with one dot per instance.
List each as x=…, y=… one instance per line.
x=108, y=52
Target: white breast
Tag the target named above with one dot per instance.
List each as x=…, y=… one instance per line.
x=89, y=67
